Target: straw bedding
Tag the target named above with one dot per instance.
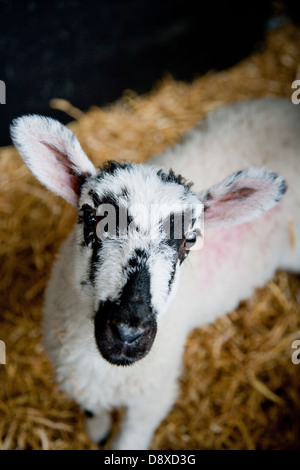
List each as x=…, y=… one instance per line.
x=239, y=387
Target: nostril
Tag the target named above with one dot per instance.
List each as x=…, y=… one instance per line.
x=127, y=333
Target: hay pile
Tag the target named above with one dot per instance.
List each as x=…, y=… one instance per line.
x=239, y=388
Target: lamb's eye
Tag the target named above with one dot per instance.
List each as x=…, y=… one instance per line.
x=190, y=241
x=89, y=217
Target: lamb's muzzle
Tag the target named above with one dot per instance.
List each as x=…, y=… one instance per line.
x=126, y=328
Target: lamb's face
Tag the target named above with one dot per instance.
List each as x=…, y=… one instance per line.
x=135, y=228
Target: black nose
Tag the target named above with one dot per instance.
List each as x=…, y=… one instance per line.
x=123, y=339
x=127, y=333
x=125, y=329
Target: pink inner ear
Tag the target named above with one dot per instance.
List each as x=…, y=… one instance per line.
x=70, y=176
x=231, y=207
x=238, y=194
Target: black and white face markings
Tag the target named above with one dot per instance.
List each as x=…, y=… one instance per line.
x=128, y=266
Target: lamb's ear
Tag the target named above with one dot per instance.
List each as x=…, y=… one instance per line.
x=53, y=154
x=241, y=197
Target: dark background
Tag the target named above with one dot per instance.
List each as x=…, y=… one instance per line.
x=89, y=52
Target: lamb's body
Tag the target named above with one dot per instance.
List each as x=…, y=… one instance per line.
x=212, y=281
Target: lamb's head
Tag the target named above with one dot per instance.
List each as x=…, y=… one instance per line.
x=136, y=225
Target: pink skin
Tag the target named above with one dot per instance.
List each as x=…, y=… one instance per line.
x=223, y=243
x=219, y=244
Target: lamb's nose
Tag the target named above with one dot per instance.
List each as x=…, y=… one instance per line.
x=128, y=333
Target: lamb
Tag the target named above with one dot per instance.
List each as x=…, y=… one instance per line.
x=120, y=303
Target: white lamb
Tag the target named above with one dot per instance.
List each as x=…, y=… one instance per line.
x=119, y=305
